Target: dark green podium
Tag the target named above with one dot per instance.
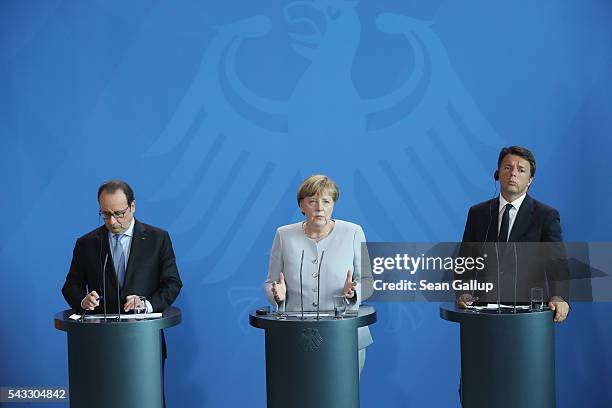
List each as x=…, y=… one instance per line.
x=312, y=363
x=507, y=358
x=115, y=364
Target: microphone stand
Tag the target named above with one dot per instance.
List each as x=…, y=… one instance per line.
x=117, y=275
x=104, y=285
x=485, y=241
x=515, y=273
x=301, y=287
x=118, y=298
x=101, y=237
x=319, y=284
x=498, y=280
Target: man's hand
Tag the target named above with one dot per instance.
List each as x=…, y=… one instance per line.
x=279, y=289
x=133, y=302
x=91, y=301
x=349, y=285
x=465, y=300
x=560, y=307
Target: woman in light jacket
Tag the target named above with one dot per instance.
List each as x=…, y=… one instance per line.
x=341, y=272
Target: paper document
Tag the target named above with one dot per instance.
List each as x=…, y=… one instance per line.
x=114, y=316
x=306, y=314
x=493, y=306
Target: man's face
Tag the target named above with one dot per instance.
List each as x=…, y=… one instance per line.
x=116, y=212
x=514, y=176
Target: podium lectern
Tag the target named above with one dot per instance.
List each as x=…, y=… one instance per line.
x=115, y=364
x=507, y=358
x=312, y=363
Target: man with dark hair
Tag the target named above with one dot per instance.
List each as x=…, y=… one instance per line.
x=139, y=259
x=515, y=216
x=113, y=185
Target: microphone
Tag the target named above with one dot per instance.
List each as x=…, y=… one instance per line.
x=498, y=280
x=319, y=284
x=496, y=177
x=118, y=298
x=484, y=243
x=515, y=273
x=100, y=235
x=490, y=221
x=301, y=287
x=104, y=284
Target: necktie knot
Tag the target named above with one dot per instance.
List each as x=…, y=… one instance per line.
x=117, y=241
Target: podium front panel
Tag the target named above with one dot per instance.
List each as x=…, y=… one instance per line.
x=507, y=359
x=116, y=364
x=312, y=363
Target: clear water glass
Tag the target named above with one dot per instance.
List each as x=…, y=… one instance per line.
x=339, y=306
x=537, y=299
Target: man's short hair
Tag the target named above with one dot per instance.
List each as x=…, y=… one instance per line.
x=520, y=152
x=111, y=186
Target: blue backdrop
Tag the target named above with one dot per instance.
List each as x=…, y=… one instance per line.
x=215, y=111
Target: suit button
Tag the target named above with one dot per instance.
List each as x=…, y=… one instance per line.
x=314, y=261
x=315, y=274
x=314, y=304
x=315, y=290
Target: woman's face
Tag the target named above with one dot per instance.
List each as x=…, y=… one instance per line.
x=318, y=209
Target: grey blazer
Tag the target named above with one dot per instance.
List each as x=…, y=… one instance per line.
x=342, y=253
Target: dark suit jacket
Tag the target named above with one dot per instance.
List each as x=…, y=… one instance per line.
x=522, y=265
x=151, y=269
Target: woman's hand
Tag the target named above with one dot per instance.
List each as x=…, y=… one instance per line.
x=279, y=289
x=349, y=285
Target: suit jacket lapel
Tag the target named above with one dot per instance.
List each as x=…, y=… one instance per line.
x=523, y=220
x=494, y=220
x=139, y=235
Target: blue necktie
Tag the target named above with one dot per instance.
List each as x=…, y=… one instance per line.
x=119, y=259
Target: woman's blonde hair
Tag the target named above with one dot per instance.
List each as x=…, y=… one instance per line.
x=317, y=184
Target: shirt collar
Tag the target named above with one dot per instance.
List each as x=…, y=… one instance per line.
x=130, y=231
x=516, y=203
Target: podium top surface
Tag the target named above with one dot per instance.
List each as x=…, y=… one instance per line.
x=450, y=312
x=170, y=317
x=364, y=317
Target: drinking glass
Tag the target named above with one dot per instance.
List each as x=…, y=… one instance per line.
x=537, y=299
x=339, y=306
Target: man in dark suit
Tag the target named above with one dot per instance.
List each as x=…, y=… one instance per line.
x=136, y=256
x=133, y=256
x=513, y=217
